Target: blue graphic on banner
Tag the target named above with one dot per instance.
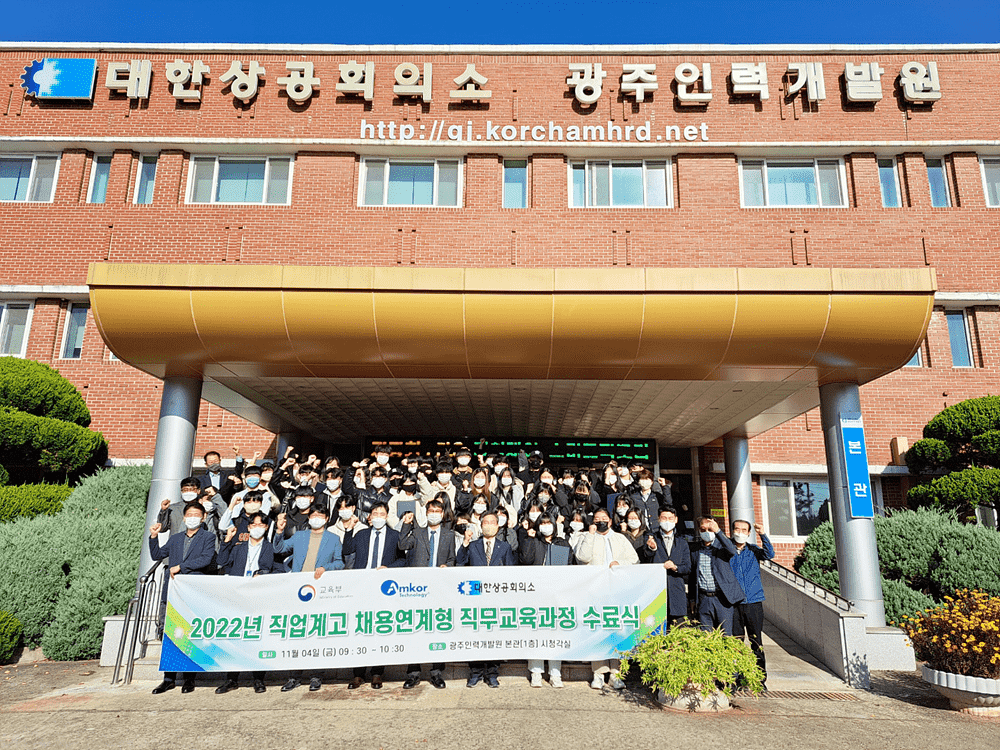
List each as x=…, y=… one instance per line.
x=859, y=485
x=60, y=78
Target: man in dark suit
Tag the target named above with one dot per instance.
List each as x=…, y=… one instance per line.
x=666, y=548
x=485, y=551
x=432, y=546
x=215, y=475
x=377, y=548
x=713, y=586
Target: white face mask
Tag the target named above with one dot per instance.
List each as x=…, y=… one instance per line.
x=333, y=484
x=568, y=482
x=444, y=478
x=377, y=522
x=434, y=519
x=316, y=522
x=303, y=481
x=302, y=503
x=667, y=526
x=378, y=482
x=257, y=531
x=382, y=459
x=345, y=513
x=187, y=497
x=708, y=537
x=622, y=510
x=464, y=460
x=740, y=538
x=208, y=505
x=626, y=481
x=506, y=481
x=533, y=516
x=611, y=481
x=479, y=481
x=479, y=507
x=412, y=469
x=251, y=507
x=634, y=523
x=192, y=522
x=576, y=525
x=546, y=529
x=645, y=483
x=500, y=469
x=502, y=521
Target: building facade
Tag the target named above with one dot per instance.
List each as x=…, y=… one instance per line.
x=677, y=244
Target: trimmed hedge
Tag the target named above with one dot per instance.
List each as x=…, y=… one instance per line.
x=122, y=490
x=10, y=636
x=969, y=558
x=907, y=542
x=51, y=444
x=963, y=490
x=37, y=389
x=960, y=423
x=30, y=500
x=902, y=601
x=31, y=571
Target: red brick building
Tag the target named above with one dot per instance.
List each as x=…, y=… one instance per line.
x=572, y=189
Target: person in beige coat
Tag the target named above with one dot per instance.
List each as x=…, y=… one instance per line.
x=604, y=547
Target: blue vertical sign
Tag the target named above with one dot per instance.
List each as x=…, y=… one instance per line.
x=859, y=484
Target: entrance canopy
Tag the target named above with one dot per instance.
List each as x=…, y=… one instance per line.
x=680, y=355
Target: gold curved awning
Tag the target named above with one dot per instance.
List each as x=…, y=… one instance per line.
x=233, y=324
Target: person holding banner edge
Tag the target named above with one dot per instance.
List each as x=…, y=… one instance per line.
x=666, y=548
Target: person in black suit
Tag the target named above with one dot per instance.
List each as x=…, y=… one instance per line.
x=485, y=551
x=666, y=548
x=376, y=547
x=431, y=546
x=215, y=475
x=713, y=586
x=190, y=553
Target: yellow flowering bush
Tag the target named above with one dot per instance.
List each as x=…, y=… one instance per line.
x=961, y=636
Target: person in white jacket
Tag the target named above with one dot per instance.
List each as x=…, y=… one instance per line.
x=602, y=546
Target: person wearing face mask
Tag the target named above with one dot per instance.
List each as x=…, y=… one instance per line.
x=441, y=482
x=377, y=491
x=215, y=476
x=382, y=455
x=665, y=547
x=543, y=547
x=489, y=552
x=407, y=494
x=748, y=615
x=463, y=466
x=622, y=507
x=507, y=527
x=713, y=588
x=460, y=527
x=636, y=531
x=248, y=559
x=508, y=491
x=427, y=547
x=578, y=523
x=297, y=514
x=646, y=497
x=171, y=515
x=534, y=510
x=332, y=488
x=583, y=498
x=189, y=553
x=604, y=547
x=314, y=550
x=529, y=475
x=239, y=511
x=608, y=488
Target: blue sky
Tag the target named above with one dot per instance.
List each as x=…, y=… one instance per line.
x=471, y=22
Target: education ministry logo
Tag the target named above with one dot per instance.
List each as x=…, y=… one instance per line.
x=391, y=588
x=306, y=593
x=60, y=78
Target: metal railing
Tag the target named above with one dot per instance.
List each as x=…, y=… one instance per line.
x=142, y=614
x=800, y=581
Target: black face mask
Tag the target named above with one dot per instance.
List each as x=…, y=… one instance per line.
x=534, y=464
x=602, y=526
x=461, y=527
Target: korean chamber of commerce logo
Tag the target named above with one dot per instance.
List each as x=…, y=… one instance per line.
x=470, y=588
x=306, y=593
x=391, y=588
x=60, y=78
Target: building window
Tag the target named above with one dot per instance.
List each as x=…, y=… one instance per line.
x=15, y=321
x=99, y=174
x=234, y=180
x=515, y=183
x=888, y=179
x=76, y=322
x=400, y=182
x=620, y=184
x=28, y=178
x=991, y=181
x=938, y=179
x=795, y=507
x=958, y=337
x=146, y=181
x=808, y=183
x=917, y=360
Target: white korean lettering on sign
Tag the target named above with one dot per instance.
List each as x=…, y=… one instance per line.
x=244, y=84
x=410, y=82
x=135, y=84
x=864, y=82
x=470, y=85
x=180, y=73
x=809, y=75
x=920, y=84
x=687, y=74
x=587, y=81
x=638, y=78
x=300, y=81
x=860, y=489
x=854, y=447
x=357, y=78
x=750, y=78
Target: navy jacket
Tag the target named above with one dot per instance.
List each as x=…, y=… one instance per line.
x=475, y=554
x=725, y=580
x=200, y=559
x=680, y=555
x=233, y=558
x=358, y=545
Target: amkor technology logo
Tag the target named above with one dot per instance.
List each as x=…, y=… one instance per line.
x=391, y=588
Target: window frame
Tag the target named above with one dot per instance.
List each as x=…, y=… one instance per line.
x=93, y=175
x=437, y=161
x=4, y=305
x=944, y=173
x=790, y=499
x=503, y=184
x=920, y=358
x=895, y=177
x=34, y=156
x=590, y=175
x=814, y=161
x=993, y=160
x=217, y=159
x=143, y=158
x=968, y=338
x=65, y=333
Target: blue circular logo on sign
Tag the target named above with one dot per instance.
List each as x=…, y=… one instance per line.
x=306, y=593
x=389, y=588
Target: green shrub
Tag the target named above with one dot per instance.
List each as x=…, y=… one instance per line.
x=10, y=636
x=30, y=500
x=907, y=541
x=50, y=445
x=966, y=419
x=968, y=558
x=818, y=559
x=36, y=388
x=902, y=601
x=121, y=490
x=927, y=455
x=963, y=491
x=987, y=447
x=31, y=571
x=4, y=476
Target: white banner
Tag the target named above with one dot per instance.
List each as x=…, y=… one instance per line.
x=409, y=615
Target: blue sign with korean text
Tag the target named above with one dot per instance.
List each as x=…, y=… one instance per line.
x=859, y=485
x=60, y=78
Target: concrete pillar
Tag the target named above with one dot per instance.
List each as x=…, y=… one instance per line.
x=857, y=554
x=175, y=434
x=739, y=484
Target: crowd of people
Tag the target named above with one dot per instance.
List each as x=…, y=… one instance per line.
x=305, y=514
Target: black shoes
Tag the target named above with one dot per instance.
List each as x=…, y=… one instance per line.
x=226, y=686
x=493, y=682
x=292, y=683
x=411, y=682
x=259, y=687
x=164, y=687
x=474, y=679
x=355, y=683
x=315, y=683
x=437, y=681
x=188, y=686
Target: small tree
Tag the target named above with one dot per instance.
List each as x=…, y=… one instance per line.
x=963, y=441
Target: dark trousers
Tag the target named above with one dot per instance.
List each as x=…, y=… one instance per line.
x=749, y=618
x=484, y=668
x=414, y=669
x=377, y=671
x=234, y=676
x=712, y=613
x=182, y=676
